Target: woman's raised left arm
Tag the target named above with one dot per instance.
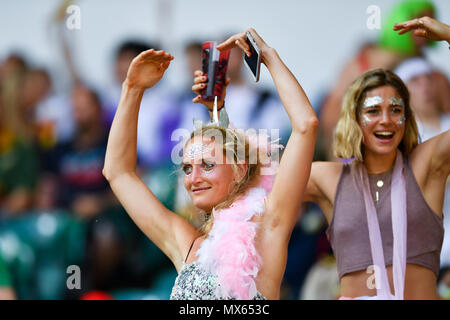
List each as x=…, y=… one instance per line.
x=285, y=198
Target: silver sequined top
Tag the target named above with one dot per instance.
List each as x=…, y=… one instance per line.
x=195, y=283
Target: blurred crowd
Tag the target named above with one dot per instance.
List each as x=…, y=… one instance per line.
x=57, y=210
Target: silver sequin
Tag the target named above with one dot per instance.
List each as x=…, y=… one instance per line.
x=195, y=283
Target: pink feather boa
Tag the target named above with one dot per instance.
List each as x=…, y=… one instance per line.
x=229, y=251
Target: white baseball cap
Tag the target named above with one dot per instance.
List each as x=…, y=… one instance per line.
x=413, y=67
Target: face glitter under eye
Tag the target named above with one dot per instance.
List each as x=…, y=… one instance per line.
x=401, y=120
x=365, y=120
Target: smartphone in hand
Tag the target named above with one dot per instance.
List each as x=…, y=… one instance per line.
x=253, y=62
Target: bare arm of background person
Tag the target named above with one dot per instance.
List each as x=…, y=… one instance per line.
x=434, y=30
x=425, y=27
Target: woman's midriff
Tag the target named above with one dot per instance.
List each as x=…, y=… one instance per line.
x=420, y=283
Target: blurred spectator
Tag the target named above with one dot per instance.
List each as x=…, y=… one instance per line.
x=417, y=74
x=322, y=281
x=444, y=282
x=53, y=114
x=78, y=165
x=6, y=286
x=18, y=153
x=79, y=162
x=48, y=115
x=38, y=247
x=308, y=244
x=14, y=66
x=124, y=54
x=117, y=253
x=387, y=53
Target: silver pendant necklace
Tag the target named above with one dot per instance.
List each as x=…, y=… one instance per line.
x=380, y=184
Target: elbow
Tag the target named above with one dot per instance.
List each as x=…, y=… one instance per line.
x=107, y=174
x=112, y=174
x=307, y=126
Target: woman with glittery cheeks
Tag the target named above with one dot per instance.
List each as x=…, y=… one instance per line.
x=209, y=183
x=375, y=127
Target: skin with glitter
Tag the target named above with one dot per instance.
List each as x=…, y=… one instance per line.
x=206, y=178
x=371, y=102
x=365, y=120
x=197, y=149
x=396, y=101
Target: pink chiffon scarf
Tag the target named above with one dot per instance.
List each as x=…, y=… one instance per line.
x=399, y=228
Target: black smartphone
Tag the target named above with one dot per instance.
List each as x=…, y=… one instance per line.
x=253, y=62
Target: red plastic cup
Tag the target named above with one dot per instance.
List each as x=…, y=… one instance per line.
x=214, y=65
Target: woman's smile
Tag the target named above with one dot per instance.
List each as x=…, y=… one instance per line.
x=384, y=137
x=199, y=190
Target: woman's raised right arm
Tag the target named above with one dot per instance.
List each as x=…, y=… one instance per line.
x=170, y=232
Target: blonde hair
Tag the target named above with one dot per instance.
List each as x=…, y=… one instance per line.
x=348, y=136
x=233, y=142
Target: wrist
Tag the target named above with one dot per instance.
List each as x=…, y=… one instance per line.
x=130, y=88
x=268, y=55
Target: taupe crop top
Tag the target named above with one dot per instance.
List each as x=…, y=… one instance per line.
x=348, y=232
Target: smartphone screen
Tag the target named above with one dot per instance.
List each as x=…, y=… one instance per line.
x=253, y=61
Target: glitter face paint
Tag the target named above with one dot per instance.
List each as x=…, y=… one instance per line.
x=372, y=101
x=196, y=153
x=369, y=102
x=197, y=149
x=402, y=120
x=365, y=120
x=396, y=101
